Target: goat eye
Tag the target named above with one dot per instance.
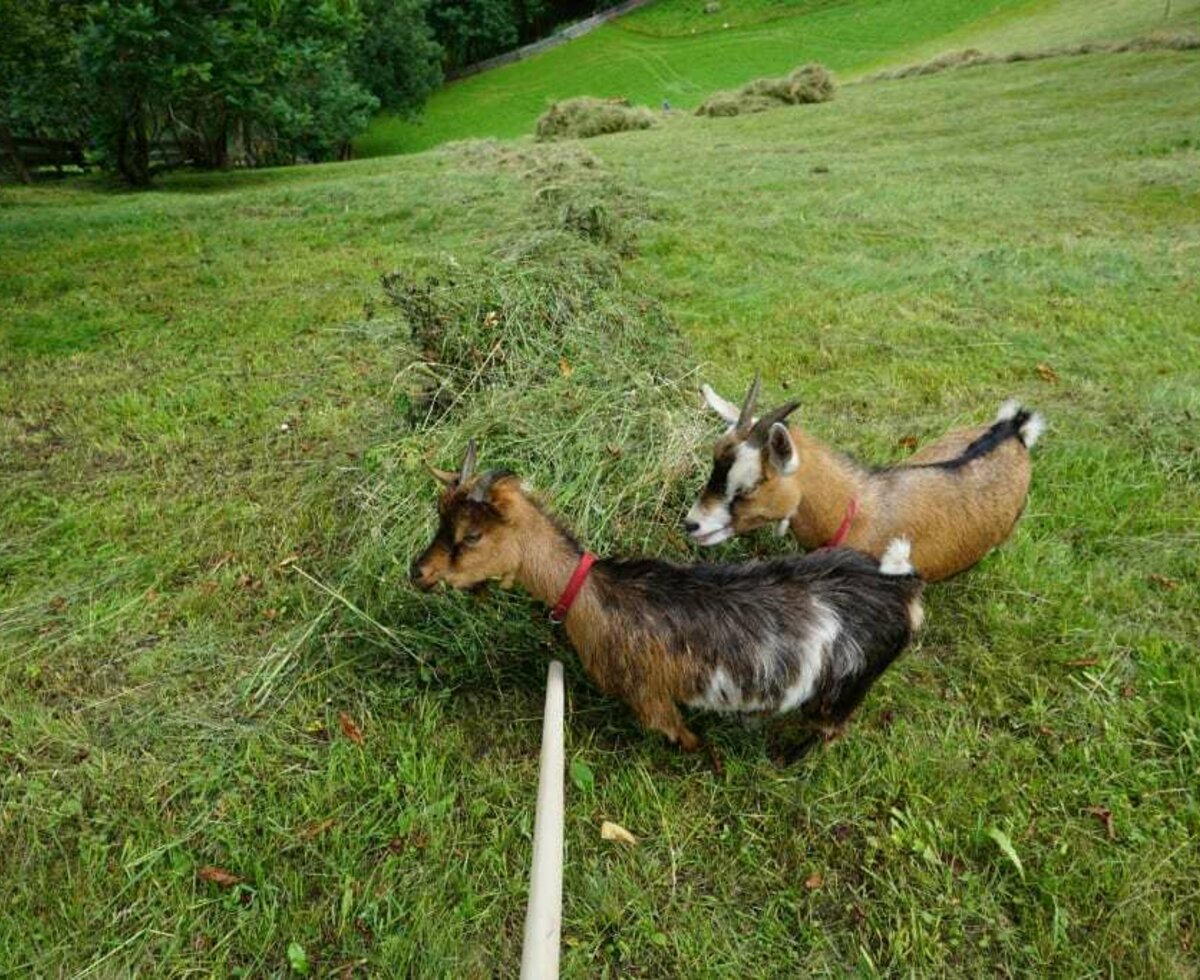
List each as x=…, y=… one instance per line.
x=471, y=537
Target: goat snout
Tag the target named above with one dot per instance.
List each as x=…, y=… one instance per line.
x=417, y=575
x=691, y=526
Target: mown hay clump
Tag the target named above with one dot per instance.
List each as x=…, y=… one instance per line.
x=735, y=104
x=586, y=117
x=807, y=84
x=559, y=367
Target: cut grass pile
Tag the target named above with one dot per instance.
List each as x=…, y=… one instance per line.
x=801, y=86
x=972, y=57
x=586, y=117
x=214, y=420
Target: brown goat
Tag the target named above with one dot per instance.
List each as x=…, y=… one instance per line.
x=804, y=633
x=955, y=499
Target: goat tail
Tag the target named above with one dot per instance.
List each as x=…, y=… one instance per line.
x=895, y=560
x=1025, y=424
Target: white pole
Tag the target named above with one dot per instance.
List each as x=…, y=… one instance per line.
x=543, y=918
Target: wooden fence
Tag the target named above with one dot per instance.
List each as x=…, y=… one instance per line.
x=569, y=33
x=26, y=154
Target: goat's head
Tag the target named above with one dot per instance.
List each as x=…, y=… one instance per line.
x=749, y=486
x=479, y=529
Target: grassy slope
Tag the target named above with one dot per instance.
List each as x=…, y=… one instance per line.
x=163, y=706
x=652, y=55
x=1064, y=22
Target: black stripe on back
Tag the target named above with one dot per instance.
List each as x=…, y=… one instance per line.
x=999, y=433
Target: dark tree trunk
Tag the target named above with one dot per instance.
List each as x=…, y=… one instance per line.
x=219, y=152
x=133, y=150
x=10, y=147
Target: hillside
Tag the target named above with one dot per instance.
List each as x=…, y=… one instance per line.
x=672, y=51
x=230, y=729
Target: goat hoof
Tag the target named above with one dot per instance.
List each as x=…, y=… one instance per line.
x=714, y=760
x=784, y=755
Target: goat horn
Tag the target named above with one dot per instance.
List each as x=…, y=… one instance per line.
x=747, y=415
x=763, y=426
x=468, y=466
x=448, y=477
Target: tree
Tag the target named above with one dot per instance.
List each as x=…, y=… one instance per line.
x=129, y=52
x=156, y=83
x=315, y=103
x=41, y=93
x=471, y=30
x=266, y=81
x=396, y=56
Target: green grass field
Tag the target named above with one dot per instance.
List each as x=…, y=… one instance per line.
x=213, y=427
x=671, y=50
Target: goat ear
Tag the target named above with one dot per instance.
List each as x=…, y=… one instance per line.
x=781, y=449
x=726, y=409
x=481, y=492
x=444, y=477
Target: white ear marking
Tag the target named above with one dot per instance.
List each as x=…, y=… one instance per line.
x=727, y=410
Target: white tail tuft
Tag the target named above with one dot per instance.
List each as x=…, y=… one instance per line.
x=895, y=558
x=1008, y=410
x=1033, y=426
x=1032, y=429
x=916, y=614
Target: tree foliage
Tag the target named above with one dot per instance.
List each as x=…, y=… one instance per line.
x=41, y=92
x=152, y=83
x=261, y=81
x=397, y=56
x=472, y=30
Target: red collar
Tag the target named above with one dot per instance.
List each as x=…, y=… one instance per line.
x=844, y=528
x=569, y=594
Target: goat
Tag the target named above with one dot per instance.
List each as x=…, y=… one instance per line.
x=801, y=633
x=955, y=499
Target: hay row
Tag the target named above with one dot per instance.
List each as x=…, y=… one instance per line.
x=971, y=57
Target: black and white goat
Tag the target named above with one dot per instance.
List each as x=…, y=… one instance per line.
x=806, y=634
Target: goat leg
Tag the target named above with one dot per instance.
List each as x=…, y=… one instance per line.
x=664, y=716
x=790, y=740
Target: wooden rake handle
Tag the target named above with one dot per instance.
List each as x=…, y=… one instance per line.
x=543, y=918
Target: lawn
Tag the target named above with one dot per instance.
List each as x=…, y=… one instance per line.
x=213, y=424
x=672, y=51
